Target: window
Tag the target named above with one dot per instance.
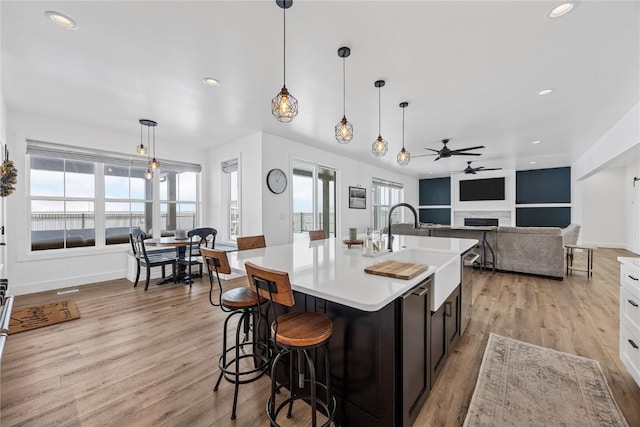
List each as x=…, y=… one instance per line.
x=231, y=192
x=314, y=199
x=385, y=194
x=128, y=202
x=74, y=191
x=178, y=200
x=62, y=203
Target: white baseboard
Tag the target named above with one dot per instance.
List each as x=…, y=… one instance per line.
x=30, y=288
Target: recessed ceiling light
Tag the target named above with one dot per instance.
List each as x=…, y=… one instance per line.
x=561, y=10
x=210, y=81
x=536, y=142
x=544, y=92
x=532, y=163
x=61, y=20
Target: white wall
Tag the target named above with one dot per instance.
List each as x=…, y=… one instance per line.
x=632, y=197
x=278, y=152
x=248, y=151
x=32, y=272
x=605, y=210
x=621, y=138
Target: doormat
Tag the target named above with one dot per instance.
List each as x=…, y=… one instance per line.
x=39, y=316
x=521, y=384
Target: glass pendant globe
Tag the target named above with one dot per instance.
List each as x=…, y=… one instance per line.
x=142, y=149
x=379, y=147
x=404, y=157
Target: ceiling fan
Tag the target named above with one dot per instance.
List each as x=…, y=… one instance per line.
x=445, y=151
x=471, y=170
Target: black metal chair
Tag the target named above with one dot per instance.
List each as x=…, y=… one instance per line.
x=137, y=237
x=198, y=238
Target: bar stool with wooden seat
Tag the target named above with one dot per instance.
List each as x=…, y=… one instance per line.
x=316, y=235
x=251, y=242
x=255, y=349
x=294, y=333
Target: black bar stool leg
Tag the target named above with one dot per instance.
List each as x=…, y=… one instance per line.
x=312, y=379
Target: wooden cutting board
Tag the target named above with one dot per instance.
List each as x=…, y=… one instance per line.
x=396, y=269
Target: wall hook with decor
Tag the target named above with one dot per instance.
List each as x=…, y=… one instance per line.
x=8, y=175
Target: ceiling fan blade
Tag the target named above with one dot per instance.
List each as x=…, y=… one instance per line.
x=453, y=153
x=470, y=171
x=422, y=155
x=437, y=158
x=492, y=169
x=431, y=149
x=467, y=149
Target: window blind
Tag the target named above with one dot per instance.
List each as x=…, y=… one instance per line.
x=62, y=151
x=385, y=183
x=230, y=166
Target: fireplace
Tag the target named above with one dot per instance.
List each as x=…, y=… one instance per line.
x=481, y=222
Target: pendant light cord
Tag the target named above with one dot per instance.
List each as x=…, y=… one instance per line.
x=141, y=143
x=403, y=128
x=154, y=142
x=148, y=143
x=284, y=47
x=379, y=134
x=344, y=89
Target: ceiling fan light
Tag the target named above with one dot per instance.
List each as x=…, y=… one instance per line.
x=284, y=106
x=379, y=147
x=404, y=157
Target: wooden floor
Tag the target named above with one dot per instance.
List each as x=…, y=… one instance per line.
x=139, y=358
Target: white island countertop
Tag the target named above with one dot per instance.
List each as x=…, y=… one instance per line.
x=327, y=269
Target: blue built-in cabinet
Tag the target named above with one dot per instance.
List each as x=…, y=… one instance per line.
x=543, y=187
x=435, y=200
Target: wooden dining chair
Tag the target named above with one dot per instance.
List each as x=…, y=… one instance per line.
x=198, y=238
x=251, y=242
x=316, y=235
x=144, y=259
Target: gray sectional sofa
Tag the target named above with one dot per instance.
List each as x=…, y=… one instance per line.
x=532, y=250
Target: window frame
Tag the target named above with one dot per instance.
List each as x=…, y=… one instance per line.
x=389, y=187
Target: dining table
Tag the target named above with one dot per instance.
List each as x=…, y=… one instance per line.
x=180, y=244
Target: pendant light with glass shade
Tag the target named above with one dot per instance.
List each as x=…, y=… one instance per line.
x=344, y=129
x=153, y=163
x=379, y=147
x=284, y=106
x=404, y=157
x=141, y=149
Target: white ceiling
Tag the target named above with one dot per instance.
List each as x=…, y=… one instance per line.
x=470, y=71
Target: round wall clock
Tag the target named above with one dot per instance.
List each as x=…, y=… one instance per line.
x=276, y=181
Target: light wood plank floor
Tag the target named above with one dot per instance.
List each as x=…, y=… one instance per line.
x=139, y=358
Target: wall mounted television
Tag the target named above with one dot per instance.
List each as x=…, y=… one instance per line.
x=482, y=189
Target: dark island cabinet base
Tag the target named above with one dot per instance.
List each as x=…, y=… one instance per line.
x=381, y=372
x=445, y=332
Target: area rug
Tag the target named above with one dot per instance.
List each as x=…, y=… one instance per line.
x=38, y=316
x=521, y=384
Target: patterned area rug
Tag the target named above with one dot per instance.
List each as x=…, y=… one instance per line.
x=38, y=316
x=521, y=384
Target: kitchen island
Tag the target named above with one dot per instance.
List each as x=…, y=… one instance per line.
x=380, y=348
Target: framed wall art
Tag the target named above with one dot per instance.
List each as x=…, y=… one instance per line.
x=357, y=198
